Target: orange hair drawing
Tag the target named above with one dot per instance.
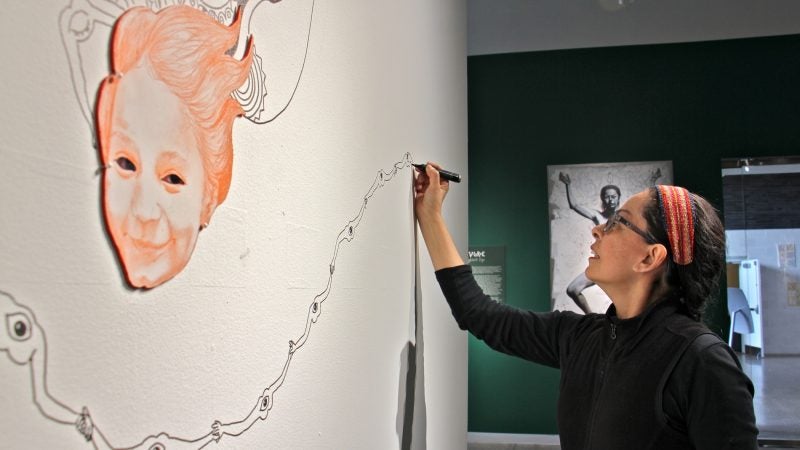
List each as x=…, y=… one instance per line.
x=189, y=52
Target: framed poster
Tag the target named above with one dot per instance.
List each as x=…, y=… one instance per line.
x=489, y=268
x=581, y=196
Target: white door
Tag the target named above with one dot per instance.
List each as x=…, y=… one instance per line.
x=750, y=283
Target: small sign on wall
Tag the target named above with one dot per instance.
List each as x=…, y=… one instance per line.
x=793, y=293
x=489, y=267
x=787, y=257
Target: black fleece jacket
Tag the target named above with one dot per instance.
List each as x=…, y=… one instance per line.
x=657, y=381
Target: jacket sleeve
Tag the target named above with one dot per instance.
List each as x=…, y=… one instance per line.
x=718, y=400
x=537, y=337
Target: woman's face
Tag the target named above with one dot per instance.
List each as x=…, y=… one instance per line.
x=610, y=199
x=616, y=251
x=153, y=193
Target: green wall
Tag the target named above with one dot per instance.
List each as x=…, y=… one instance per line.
x=690, y=103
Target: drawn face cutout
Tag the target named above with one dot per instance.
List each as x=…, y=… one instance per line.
x=153, y=192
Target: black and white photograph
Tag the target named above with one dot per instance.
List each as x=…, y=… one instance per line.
x=581, y=196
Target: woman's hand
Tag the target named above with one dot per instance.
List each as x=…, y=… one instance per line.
x=429, y=192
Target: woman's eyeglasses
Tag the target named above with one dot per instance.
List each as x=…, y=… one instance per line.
x=616, y=218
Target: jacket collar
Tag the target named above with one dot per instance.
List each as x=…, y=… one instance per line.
x=653, y=314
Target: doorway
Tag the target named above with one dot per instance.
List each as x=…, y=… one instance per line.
x=761, y=208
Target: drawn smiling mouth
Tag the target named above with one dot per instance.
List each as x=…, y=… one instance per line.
x=147, y=245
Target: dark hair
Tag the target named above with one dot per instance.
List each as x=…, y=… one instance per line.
x=697, y=282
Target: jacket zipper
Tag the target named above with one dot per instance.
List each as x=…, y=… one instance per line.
x=603, y=376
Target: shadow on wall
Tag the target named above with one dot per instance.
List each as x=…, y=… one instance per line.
x=411, y=407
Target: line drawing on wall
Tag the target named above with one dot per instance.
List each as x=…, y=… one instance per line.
x=180, y=75
x=79, y=23
x=25, y=344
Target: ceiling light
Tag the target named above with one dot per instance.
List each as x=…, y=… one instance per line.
x=745, y=164
x=614, y=5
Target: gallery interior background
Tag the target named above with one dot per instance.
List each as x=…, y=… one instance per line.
x=692, y=103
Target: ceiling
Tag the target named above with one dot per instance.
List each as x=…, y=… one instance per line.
x=507, y=26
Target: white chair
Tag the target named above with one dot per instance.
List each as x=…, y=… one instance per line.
x=741, y=318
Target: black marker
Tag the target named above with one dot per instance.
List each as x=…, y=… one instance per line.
x=444, y=174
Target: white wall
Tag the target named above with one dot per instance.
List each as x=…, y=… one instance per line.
x=506, y=26
x=382, y=79
x=780, y=314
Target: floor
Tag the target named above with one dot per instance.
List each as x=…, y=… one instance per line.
x=777, y=396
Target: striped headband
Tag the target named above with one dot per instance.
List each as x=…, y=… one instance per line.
x=677, y=213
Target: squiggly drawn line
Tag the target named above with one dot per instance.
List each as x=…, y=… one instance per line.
x=266, y=400
x=25, y=344
x=347, y=234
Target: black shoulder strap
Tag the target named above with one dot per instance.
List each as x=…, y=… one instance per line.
x=706, y=340
x=699, y=339
x=698, y=342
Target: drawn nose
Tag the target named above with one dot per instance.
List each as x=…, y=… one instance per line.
x=145, y=202
x=146, y=208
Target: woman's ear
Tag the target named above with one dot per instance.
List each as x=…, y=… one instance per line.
x=209, y=206
x=655, y=257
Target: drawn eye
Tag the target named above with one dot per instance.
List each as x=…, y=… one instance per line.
x=157, y=446
x=18, y=326
x=264, y=403
x=173, y=179
x=125, y=164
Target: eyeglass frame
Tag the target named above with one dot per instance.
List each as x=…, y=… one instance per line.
x=617, y=218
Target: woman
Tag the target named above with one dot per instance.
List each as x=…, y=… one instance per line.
x=609, y=197
x=647, y=374
x=164, y=124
